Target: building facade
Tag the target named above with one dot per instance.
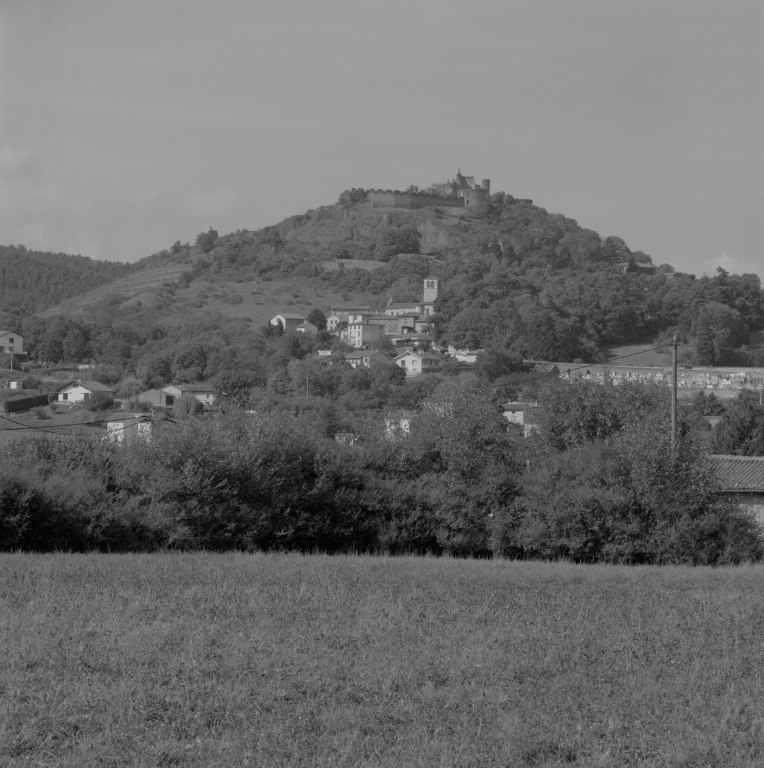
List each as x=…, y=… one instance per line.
x=11, y=343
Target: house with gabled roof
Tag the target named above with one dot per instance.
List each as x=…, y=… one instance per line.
x=417, y=363
x=11, y=343
x=80, y=391
x=204, y=393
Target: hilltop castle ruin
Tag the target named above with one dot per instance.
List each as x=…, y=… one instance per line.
x=462, y=192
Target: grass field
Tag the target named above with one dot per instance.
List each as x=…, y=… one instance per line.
x=284, y=660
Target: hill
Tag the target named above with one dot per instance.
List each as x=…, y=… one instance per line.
x=513, y=276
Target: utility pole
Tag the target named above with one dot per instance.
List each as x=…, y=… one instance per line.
x=673, y=401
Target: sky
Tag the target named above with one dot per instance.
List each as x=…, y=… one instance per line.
x=126, y=125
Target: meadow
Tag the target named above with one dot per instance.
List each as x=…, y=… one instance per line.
x=291, y=660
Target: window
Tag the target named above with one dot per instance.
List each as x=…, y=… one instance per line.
x=65, y=396
x=10, y=340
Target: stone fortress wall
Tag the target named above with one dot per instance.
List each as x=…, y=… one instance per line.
x=461, y=192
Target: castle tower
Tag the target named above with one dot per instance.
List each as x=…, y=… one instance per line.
x=430, y=289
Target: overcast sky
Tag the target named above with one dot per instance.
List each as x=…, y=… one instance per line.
x=127, y=125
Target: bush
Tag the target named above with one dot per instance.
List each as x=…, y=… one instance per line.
x=187, y=405
x=100, y=401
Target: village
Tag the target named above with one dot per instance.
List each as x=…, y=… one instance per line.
x=399, y=333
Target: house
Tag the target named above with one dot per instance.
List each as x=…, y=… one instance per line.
x=204, y=393
x=742, y=480
x=11, y=342
x=365, y=357
x=417, y=363
x=307, y=328
x=361, y=334
x=416, y=342
x=80, y=391
x=346, y=438
x=121, y=427
x=287, y=320
x=517, y=413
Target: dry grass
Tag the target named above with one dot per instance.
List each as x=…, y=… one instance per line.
x=283, y=660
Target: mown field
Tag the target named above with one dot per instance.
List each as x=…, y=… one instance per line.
x=287, y=660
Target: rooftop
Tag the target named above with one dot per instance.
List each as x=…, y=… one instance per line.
x=93, y=386
x=739, y=473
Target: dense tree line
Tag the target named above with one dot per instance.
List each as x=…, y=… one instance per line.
x=36, y=280
x=595, y=483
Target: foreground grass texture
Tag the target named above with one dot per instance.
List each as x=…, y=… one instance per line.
x=283, y=660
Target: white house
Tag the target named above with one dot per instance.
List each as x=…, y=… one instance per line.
x=204, y=393
x=11, y=342
x=80, y=391
x=287, y=320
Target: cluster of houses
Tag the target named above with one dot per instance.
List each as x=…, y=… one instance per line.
x=403, y=326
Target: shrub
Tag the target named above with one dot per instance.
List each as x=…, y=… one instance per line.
x=100, y=401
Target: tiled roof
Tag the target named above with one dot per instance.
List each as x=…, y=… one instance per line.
x=739, y=473
x=195, y=387
x=288, y=316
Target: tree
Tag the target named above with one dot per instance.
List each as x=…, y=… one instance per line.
x=705, y=349
x=494, y=362
x=352, y=196
x=318, y=318
x=205, y=241
x=186, y=405
x=232, y=389
x=624, y=496
x=395, y=241
x=74, y=345
x=100, y=401
x=741, y=429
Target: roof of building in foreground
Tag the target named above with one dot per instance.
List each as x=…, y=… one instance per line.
x=93, y=386
x=741, y=474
